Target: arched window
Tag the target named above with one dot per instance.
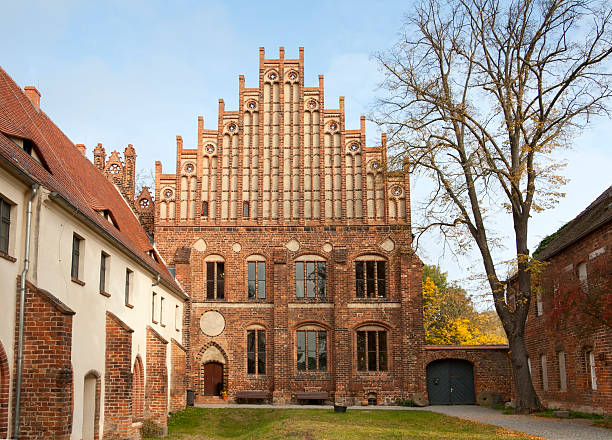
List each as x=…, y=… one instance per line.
x=310, y=277
x=215, y=277
x=256, y=350
x=371, y=277
x=311, y=343
x=372, y=348
x=138, y=390
x=204, y=212
x=256, y=272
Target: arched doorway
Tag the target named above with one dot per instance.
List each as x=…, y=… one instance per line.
x=91, y=406
x=213, y=378
x=450, y=382
x=138, y=391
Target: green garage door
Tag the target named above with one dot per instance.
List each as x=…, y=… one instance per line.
x=450, y=382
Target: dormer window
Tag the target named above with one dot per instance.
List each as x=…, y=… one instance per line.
x=26, y=145
x=107, y=215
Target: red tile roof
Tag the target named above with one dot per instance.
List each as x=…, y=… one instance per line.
x=70, y=174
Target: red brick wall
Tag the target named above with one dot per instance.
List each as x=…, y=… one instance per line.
x=492, y=369
x=4, y=392
x=156, y=393
x=178, y=388
x=572, y=337
x=138, y=390
x=282, y=313
x=117, y=379
x=47, y=386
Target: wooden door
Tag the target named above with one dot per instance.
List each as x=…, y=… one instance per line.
x=213, y=379
x=450, y=382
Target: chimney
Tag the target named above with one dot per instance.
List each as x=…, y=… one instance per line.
x=81, y=148
x=33, y=95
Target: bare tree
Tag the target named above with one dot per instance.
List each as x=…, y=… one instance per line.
x=477, y=95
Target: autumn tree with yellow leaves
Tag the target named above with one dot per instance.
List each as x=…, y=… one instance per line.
x=449, y=316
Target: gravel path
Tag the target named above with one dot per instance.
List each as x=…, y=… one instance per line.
x=544, y=427
x=548, y=428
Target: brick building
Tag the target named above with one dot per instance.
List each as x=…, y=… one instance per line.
x=294, y=243
x=102, y=316
x=570, y=360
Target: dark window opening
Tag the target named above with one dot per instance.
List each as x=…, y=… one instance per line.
x=204, y=212
x=311, y=279
x=103, y=267
x=370, y=279
x=245, y=210
x=372, y=350
x=5, y=225
x=256, y=352
x=128, y=285
x=256, y=279
x=311, y=350
x=76, y=255
x=215, y=280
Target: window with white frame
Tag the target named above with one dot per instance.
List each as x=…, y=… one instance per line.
x=129, y=281
x=177, y=317
x=562, y=371
x=591, y=372
x=154, y=307
x=104, y=263
x=544, y=372
x=256, y=274
x=215, y=277
x=161, y=311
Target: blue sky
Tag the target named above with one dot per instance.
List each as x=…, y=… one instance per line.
x=141, y=72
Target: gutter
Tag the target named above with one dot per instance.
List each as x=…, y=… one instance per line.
x=22, y=289
x=75, y=211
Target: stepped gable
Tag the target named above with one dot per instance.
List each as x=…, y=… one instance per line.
x=63, y=169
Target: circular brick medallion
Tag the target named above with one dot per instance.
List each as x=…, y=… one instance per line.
x=212, y=323
x=293, y=245
x=327, y=247
x=236, y=247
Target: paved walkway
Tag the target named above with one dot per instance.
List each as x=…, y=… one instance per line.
x=544, y=427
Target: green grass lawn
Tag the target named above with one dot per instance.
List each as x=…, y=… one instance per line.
x=312, y=424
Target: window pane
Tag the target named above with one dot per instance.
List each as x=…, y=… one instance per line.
x=382, y=351
x=74, y=271
x=5, y=223
x=359, y=283
x=251, y=341
x=261, y=351
x=381, y=275
x=361, y=351
x=322, y=279
x=299, y=279
x=261, y=277
x=210, y=280
x=252, y=286
x=102, y=273
x=322, y=351
x=310, y=279
x=245, y=209
x=205, y=209
x=370, y=281
x=251, y=362
x=301, y=351
x=371, y=351
x=312, y=350
x=220, y=280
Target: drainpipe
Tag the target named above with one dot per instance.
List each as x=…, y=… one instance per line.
x=22, y=289
x=156, y=283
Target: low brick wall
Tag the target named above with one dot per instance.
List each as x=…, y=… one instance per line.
x=492, y=370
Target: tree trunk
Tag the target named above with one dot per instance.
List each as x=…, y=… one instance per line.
x=526, y=399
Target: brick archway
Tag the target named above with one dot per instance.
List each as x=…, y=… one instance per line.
x=4, y=392
x=138, y=390
x=200, y=361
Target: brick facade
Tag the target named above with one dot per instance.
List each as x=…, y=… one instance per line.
x=574, y=338
x=156, y=391
x=280, y=181
x=178, y=386
x=138, y=390
x=46, y=391
x=492, y=369
x=4, y=392
x=117, y=379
